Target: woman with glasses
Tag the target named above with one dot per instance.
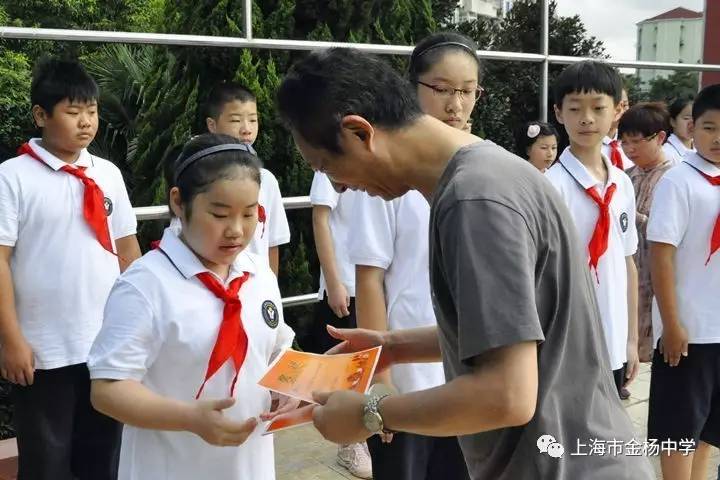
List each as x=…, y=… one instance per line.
x=390, y=253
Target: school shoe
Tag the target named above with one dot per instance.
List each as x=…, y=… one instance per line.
x=356, y=459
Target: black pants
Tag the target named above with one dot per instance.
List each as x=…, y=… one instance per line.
x=619, y=377
x=60, y=436
x=322, y=341
x=417, y=457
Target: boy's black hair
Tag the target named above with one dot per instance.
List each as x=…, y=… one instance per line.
x=678, y=105
x=588, y=76
x=327, y=85
x=224, y=93
x=523, y=142
x=431, y=49
x=707, y=99
x=56, y=79
x=645, y=119
x=198, y=176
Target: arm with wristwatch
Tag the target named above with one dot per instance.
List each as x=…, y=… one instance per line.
x=500, y=391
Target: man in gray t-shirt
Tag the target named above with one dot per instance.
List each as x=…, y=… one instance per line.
x=528, y=385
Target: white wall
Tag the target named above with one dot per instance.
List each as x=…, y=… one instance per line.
x=676, y=41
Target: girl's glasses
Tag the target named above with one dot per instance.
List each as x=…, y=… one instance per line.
x=446, y=92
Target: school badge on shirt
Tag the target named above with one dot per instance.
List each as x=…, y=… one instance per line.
x=624, y=222
x=108, y=206
x=270, y=314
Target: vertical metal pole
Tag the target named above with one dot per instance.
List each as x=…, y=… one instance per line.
x=247, y=13
x=544, y=50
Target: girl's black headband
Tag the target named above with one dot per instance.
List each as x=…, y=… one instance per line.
x=445, y=44
x=209, y=151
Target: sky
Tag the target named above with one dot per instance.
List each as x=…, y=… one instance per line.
x=613, y=21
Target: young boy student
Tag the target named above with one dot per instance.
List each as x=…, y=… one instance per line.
x=601, y=200
x=231, y=109
x=684, y=235
x=611, y=143
x=67, y=230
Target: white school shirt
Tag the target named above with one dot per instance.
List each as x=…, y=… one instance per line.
x=611, y=290
x=61, y=273
x=341, y=228
x=684, y=209
x=277, y=230
x=675, y=150
x=394, y=237
x=160, y=327
x=627, y=163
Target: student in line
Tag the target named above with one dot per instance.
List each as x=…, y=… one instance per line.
x=680, y=143
x=191, y=327
x=538, y=143
x=67, y=230
x=611, y=143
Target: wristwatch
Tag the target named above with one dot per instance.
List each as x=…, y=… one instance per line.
x=372, y=420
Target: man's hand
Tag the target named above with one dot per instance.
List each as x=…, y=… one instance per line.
x=339, y=300
x=17, y=362
x=338, y=418
x=209, y=423
x=633, y=362
x=280, y=404
x=357, y=339
x=674, y=344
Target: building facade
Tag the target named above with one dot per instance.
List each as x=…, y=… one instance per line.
x=469, y=10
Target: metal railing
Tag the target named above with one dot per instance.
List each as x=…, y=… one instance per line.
x=543, y=58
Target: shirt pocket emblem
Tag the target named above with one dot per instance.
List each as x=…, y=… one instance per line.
x=270, y=313
x=624, y=222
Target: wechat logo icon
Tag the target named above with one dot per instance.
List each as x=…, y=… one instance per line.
x=548, y=444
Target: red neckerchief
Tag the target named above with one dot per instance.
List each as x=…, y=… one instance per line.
x=615, y=155
x=715, y=238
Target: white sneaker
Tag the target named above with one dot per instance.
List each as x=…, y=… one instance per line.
x=356, y=459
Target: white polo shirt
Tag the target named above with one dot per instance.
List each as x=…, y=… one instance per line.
x=684, y=209
x=341, y=223
x=277, y=230
x=571, y=178
x=675, y=150
x=160, y=327
x=627, y=163
x=394, y=236
x=61, y=273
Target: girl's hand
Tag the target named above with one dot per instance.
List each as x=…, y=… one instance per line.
x=208, y=422
x=280, y=404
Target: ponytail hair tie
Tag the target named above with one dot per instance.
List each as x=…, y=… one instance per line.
x=533, y=130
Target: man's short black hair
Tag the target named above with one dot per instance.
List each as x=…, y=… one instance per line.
x=644, y=119
x=56, y=79
x=327, y=85
x=707, y=99
x=588, y=76
x=224, y=93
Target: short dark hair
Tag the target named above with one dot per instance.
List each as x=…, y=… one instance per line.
x=707, y=99
x=327, y=85
x=56, y=79
x=432, y=48
x=523, y=141
x=678, y=105
x=588, y=76
x=198, y=176
x=224, y=93
x=646, y=118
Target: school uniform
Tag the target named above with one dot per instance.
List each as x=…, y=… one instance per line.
x=161, y=324
x=675, y=150
x=684, y=213
x=275, y=231
x=62, y=275
x=341, y=222
x=394, y=237
x=571, y=179
x=611, y=147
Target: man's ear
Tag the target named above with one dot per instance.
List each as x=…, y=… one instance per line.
x=39, y=115
x=354, y=128
x=211, y=124
x=661, y=136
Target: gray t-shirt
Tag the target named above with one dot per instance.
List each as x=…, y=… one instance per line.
x=506, y=266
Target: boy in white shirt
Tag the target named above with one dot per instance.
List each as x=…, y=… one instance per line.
x=601, y=200
x=684, y=231
x=611, y=143
x=67, y=230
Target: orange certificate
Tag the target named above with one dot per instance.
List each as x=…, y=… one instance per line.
x=298, y=374
x=295, y=418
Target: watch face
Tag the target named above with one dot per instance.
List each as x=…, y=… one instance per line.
x=372, y=422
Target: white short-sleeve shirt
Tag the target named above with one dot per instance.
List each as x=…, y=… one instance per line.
x=606, y=149
x=341, y=224
x=675, y=150
x=161, y=324
x=571, y=178
x=684, y=209
x=277, y=230
x=394, y=237
x=61, y=273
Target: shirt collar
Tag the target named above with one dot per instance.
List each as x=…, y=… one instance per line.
x=607, y=140
x=581, y=174
x=84, y=160
x=694, y=159
x=189, y=264
x=675, y=141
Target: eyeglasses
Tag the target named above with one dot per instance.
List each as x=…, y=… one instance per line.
x=448, y=92
x=638, y=142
